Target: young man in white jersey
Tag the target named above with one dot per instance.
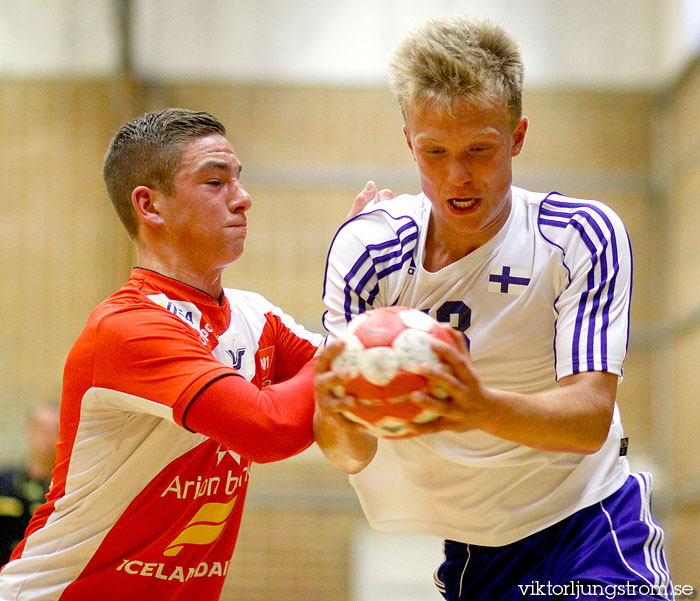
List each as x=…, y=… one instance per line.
x=174, y=388
x=525, y=474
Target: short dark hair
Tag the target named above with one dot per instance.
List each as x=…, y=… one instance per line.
x=147, y=151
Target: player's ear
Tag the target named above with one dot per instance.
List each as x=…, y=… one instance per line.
x=519, y=136
x=146, y=205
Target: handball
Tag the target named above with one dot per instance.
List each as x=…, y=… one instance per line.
x=383, y=350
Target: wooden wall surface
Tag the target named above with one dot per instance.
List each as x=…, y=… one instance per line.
x=678, y=352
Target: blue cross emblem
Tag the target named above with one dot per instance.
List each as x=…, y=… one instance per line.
x=516, y=277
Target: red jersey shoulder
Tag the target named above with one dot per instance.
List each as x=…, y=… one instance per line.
x=134, y=346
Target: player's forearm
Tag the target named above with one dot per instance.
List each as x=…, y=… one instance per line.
x=263, y=425
x=573, y=418
x=346, y=448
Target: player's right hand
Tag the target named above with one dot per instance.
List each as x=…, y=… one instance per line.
x=368, y=194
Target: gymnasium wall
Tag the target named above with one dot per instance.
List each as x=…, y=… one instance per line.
x=61, y=250
x=306, y=152
x=678, y=342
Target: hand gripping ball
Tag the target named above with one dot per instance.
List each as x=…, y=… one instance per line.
x=383, y=349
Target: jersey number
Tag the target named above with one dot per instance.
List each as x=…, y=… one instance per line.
x=455, y=314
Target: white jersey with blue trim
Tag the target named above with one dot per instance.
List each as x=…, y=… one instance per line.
x=548, y=296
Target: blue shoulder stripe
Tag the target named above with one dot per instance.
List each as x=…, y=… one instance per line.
x=598, y=234
x=375, y=263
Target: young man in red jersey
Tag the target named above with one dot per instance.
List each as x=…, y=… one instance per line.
x=166, y=400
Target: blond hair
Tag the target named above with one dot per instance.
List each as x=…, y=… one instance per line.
x=454, y=59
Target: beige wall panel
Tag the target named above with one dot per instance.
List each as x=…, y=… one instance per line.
x=682, y=179
x=578, y=131
x=686, y=407
x=302, y=126
x=683, y=241
x=644, y=237
x=290, y=232
x=61, y=250
x=292, y=554
x=634, y=400
x=678, y=168
x=296, y=535
x=681, y=110
x=684, y=544
x=294, y=476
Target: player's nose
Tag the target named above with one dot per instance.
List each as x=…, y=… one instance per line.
x=458, y=172
x=240, y=200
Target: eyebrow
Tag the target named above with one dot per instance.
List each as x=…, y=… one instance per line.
x=489, y=131
x=222, y=165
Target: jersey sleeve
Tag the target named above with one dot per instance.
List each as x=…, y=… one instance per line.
x=264, y=425
x=592, y=324
x=365, y=255
x=154, y=358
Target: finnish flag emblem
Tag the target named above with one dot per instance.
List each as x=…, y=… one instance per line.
x=505, y=279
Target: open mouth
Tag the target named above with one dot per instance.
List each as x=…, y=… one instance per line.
x=463, y=203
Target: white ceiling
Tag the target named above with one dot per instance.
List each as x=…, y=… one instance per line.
x=611, y=43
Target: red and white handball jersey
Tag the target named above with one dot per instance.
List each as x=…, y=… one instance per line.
x=140, y=506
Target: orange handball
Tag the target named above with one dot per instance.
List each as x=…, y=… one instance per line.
x=383, y=350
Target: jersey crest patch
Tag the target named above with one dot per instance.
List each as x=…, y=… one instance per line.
x=505, y=279
x=236, y=357
x=265, y=357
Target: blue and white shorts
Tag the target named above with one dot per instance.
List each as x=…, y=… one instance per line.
x=610, y=550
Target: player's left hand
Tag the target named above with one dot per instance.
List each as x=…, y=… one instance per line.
x=328, y=384
x=368, y=194
x=466, y=399
x=346, y=444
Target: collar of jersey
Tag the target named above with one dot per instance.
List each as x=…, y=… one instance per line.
x=216, y=311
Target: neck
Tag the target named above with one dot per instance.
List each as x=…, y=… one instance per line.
x=445, y=244
x=182, y=272
x=439, y=255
